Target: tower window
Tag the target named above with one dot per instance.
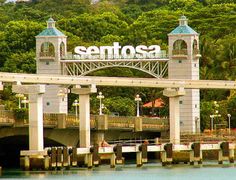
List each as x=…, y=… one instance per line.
x=180, y=47
x=180, y=61
x=180, y=102
x=47, y=63
x=195, y=47
x=47, y=50
x=48, y=103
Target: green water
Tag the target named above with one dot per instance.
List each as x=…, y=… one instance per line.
x=148, y=171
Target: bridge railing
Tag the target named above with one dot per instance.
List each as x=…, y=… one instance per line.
x=6, y=118
x=55, y=120
x=50, y=119
x=155, y=123
x=121, y=122
x=72, y=121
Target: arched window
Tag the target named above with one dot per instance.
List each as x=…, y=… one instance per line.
x=62, y=49
x=180, y=47
x=47, y=50
x=195, y=47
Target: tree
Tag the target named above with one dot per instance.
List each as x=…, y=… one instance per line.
x=22, y=62
x=20, y=35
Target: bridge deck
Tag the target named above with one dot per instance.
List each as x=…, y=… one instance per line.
x=117, y=81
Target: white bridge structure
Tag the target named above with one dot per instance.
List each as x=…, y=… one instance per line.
x=173, y=88
x=155, y=67
x=55, y=73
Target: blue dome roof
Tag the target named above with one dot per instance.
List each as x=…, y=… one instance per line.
x=51, y=29
x=51, y=32
x=183, y=27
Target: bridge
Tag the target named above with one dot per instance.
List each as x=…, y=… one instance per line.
x=97, y=122
x=56, y=71
x=173, y=89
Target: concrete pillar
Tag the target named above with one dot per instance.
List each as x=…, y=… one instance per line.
x=35, y=122
x=139, y=162
x=113, y=161
x=99, y=137
x=84, y=115
x=101, y=122
x=35, y=113
x=89, y=160
x=174, y=95
x=138, y=124
x=61, y=121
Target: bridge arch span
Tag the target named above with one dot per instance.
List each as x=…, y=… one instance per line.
x=130, y=67
x=60, y=137
x=156, y=67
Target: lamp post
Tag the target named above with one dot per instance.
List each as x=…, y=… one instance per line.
x=196, y=124
x=137, y=99
x=61, y=94
x=76, y=104
x=19, y=96
x=100, y=97
x=25, y=101
x=229, y=116
x=212, y=121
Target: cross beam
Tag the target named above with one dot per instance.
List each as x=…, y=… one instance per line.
x=116, y=81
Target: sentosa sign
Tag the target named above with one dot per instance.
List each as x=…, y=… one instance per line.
x=118, y=52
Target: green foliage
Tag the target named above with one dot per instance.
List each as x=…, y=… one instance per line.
x=93, y=28
x=20, y=114
x=20, y=63
x=19, y=35
x=124, y=106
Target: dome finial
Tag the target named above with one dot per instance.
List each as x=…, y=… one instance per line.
x=51, y=23
x=183, y=21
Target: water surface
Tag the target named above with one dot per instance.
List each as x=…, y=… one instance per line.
x=148, y=171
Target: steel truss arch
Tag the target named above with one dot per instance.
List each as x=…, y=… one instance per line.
x=154, y=67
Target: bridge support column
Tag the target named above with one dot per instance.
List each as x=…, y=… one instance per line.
x=174, y=95
x=84, y=112
x=101, y=126
x=36, y=147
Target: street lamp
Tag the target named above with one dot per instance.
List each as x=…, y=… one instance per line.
x=25, y=101
x=196, y=124
x=100, y=97
x=76, y=104
x=212, y=119
x=137, y=99
x=19, y=96
x=61, y=94
x=229, y=116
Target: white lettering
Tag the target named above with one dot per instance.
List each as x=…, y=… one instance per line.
x=142, y=51
x=80, y=50
x=106, y=51
x=128, y=51
x=154, y=51
x=118, y=52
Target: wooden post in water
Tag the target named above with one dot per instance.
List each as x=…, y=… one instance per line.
x=167, y=154
x=223, y=153
x=195, y=153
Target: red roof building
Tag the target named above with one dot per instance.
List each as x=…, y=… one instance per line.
x=157, y=103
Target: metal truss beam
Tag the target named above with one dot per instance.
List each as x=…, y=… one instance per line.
x=155, y=67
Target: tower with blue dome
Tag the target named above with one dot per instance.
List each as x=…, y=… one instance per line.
x=50, y=49
x=184, y=64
